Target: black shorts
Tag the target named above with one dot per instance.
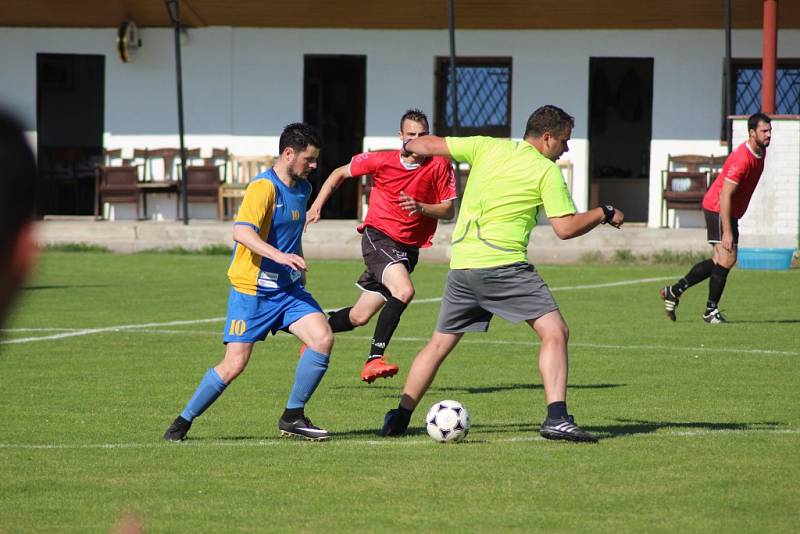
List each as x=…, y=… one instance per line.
x=379, y=251
x=714, y=227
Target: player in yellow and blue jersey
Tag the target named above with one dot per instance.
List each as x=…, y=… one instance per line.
x=267, y=287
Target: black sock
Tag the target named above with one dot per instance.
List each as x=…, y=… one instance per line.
x=340, y=320
x=293, y=414
x=716, y=286
x=699, y=272
x=404, y=413
x=388, y=320
x=557, y=410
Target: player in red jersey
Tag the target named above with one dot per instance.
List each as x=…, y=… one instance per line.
x=410, y=194
x=724, y=204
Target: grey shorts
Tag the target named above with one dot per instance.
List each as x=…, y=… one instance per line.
x=473, y=296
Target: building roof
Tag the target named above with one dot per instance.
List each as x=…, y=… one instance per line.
x=403, y=14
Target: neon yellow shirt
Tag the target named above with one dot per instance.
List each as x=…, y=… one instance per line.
x=509, y=182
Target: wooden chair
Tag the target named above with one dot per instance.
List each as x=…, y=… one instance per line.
x=684, y=182
x=202, y=184
x=118, y=184
x=243, y=170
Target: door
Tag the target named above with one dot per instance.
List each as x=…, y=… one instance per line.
x=70, y=105
x=620, y=131
x=334, y=102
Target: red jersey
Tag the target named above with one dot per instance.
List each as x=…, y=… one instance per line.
x=742, y=167
x=429, y=182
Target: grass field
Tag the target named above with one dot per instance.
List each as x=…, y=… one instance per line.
x=700, y=423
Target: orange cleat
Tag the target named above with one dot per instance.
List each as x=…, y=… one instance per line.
x=303, y=348
x=378, y=368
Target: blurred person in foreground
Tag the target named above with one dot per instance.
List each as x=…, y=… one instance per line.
x=18, y=180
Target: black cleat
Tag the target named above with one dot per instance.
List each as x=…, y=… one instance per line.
x=178, y=429
x=565, y=429
x=670, y=302
x=394, y=424
x=714, y=317
x=302, y=428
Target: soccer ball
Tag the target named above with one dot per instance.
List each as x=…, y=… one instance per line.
x=447, y=421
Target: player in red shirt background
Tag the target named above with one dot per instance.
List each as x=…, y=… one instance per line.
x=410, y=194
x=723, y=205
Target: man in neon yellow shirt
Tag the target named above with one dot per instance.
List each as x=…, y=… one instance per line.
x=509, y=183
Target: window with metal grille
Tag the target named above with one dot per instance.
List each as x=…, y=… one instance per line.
x=484, y=96
x=745, y=87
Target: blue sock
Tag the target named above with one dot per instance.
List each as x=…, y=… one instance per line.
x=210, y=387
x=309, y=373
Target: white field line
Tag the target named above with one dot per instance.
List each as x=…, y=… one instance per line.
x=532, y=343
x=87, y=331
x=378, y=442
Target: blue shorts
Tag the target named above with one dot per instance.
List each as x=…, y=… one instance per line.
x=251, y=318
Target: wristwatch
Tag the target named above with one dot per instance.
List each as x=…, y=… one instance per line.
x=608, y=212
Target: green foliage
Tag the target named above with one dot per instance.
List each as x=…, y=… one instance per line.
x=624, y=256
x=592, y=257
x=205, y=250
x=700, y=424
x=673, y=257
x=75, y=247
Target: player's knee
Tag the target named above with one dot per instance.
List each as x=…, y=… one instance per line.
x=359, y=318
x=406, y=294
x=322, y=341
x=556, y=333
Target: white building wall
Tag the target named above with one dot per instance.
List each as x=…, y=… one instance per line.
x=242, y=85
x=773, y=216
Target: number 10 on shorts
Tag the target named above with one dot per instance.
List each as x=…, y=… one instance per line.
x=238, y=328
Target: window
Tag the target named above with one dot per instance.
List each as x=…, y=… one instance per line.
x=484, y=96
x=746, y=91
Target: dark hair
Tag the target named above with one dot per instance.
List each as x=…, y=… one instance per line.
x=298, y=135
x=18, y=181
x=548, y=119
x=755, y=118
x=415, y=115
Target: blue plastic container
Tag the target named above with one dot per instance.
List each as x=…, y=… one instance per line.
x=765, y=258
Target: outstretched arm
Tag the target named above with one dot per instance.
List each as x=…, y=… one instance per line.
x=577, y=224
x=442, y=210
x=331, y=184
x=428, y=145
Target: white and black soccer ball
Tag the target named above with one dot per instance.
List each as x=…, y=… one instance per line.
x=447, y=421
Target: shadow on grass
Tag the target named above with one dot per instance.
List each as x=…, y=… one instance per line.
x=37, y=288
x=768, y=321
x=630, y=427
x=478, y=389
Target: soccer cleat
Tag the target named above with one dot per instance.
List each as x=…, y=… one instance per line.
x=303, y=348
x=394, y=424
x=670, y=301
x=178, y=429
x=565, y=429
x=714, y=317
x=378, y=368
x=302, y=428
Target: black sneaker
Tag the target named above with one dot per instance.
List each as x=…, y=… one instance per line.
x=565, y=429
x=394, y=424
x=714, y=317
x=670, y=301
x=178, y=429
x=302, y=428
